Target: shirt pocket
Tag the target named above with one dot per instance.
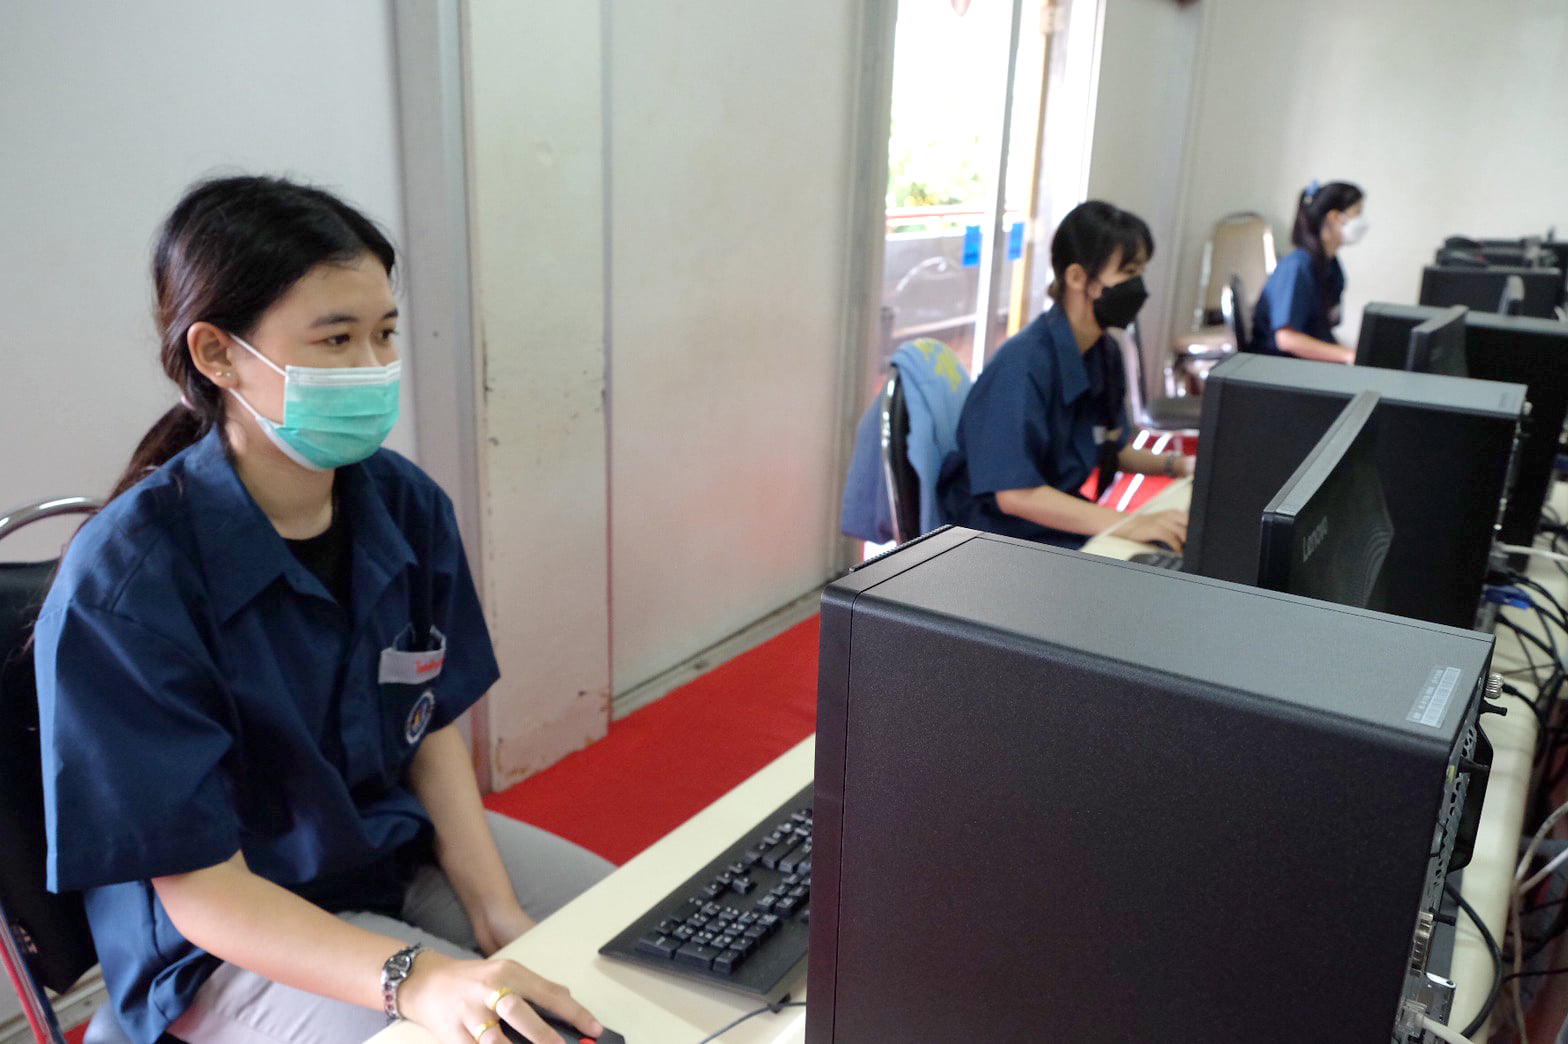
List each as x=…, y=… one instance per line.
x=407, y=681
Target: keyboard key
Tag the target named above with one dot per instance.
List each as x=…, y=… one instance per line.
x=738, y=867
x=711, y=909
x=790, y=863
x=685, y=910
x=696, y=955
x=805, y=915
x=799, y=892
x=656, y=945
x=668, y=926
x=790, y=880
x=765, y=904
x=742, y=885
x=786, y=905
x=683, y=933
x=756, y=932
x=768, y=921
x=725, y=962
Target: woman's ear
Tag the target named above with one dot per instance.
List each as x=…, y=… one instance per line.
x=1077, y=277
x=211, y=353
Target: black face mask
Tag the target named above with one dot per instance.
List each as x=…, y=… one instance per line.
x=1119, y=304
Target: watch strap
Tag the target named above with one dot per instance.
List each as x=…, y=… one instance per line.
x=393, y=972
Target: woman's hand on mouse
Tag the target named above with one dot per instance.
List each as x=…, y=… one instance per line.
x=453, y=999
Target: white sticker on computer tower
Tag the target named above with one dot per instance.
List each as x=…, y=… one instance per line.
x=1433, y=701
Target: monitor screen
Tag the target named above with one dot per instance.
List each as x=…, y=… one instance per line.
x=1482, y=288
x=1438, y=345
x=1327, y=532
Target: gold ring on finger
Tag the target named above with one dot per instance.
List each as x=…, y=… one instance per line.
x=495, y=998
x=479, y=1031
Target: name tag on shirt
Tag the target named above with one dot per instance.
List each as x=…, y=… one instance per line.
x=407, y=667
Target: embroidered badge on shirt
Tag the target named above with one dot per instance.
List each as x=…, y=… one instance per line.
x=419, y=716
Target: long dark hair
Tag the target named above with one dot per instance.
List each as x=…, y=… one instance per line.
x=1091, y=234
x=228, y=251
x=1314, y=204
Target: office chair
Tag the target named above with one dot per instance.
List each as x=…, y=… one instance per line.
x=1241, y=244
x=1167, y=414
x=903, y=484
x=45, y=942
x=1233, y=306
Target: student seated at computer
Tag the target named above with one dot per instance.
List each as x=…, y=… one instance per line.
x=1300, y=304
x=1049, y=406
x=250, y=665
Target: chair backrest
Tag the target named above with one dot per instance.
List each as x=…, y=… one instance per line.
x=903, y=484
x=1242, y=244
x=1233, y=306
x=1132, y=367
x=44, y=933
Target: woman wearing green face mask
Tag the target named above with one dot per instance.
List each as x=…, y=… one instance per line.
x=250, y=665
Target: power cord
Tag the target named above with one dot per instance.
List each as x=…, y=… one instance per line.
x=1442, y=1032
x=774, y=1008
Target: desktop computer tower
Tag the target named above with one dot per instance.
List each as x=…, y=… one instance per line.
x=1066, y=798
x=1444, y=446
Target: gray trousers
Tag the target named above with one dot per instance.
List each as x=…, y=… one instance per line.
x=235, y=1006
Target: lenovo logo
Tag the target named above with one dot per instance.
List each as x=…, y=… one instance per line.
x=1314, y=538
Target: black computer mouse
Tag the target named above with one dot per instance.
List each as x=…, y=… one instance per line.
x=569, y=1033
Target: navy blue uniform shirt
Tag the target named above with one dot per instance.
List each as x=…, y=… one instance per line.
x=200, y=693
x=1293, y=297
x=1030, y=421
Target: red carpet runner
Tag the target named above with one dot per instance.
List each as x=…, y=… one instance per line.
x=666, y=762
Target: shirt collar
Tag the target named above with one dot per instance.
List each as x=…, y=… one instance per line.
x=1074, y=376
x=242, y=553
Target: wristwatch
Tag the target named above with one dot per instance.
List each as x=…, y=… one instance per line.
x=1170, y=464
x=393, y=973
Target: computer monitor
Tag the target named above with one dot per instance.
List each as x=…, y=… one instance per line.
x=1512, y=302
x=1482, y=288
x=1444, y=450
x=1534, y=353
x=1438, y=344
x=1062, y=798
x=1385, y=333
x=1326, y=533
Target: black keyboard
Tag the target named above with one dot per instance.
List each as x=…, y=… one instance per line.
x=1158, y=559
x=740, y=922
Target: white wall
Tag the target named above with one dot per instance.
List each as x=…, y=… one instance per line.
x=536, y=169
x=729, y=179
x=1148, y=50
x=106, y=115
x=1449, y=115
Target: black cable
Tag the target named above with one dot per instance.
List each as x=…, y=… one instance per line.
x=1497, y=961
x=775, y=1008
x=1525, y=581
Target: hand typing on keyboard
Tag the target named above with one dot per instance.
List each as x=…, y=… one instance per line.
x=1168, y=528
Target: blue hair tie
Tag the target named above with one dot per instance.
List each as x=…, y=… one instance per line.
x=1312, y=191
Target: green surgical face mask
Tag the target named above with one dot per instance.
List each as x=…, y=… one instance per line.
x=331, y=417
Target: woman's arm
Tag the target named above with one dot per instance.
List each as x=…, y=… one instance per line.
x=442, y=777
x=248, y=921
x=1174, y=465
x=1050, y=507
x=1299, y=344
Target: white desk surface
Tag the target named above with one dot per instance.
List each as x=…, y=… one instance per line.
x=645, y=1006
x=1488, y=880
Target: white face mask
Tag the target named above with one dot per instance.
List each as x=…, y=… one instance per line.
x=1353, y=230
